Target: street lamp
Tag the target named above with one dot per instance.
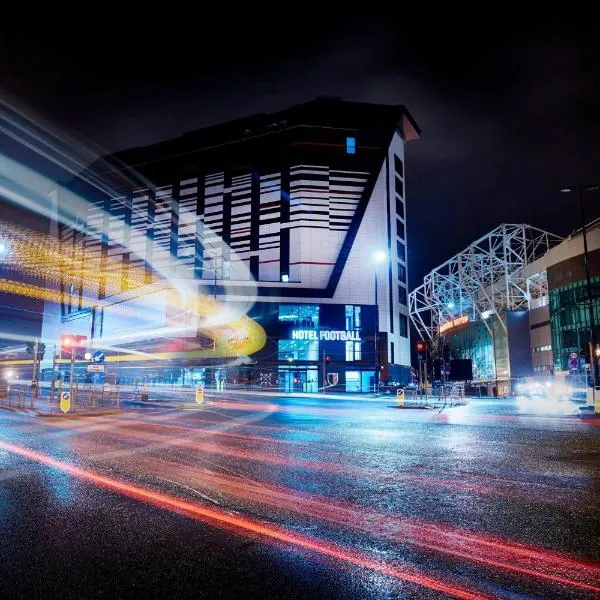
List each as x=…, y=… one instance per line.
x=379, y=257
x=580, y=189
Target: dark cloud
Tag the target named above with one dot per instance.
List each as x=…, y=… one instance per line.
x=508, y=106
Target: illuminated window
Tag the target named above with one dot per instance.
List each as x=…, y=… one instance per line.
x=352, y=317
x=292, y=350
x=350, y=145
x=353, y=351
x=299, y=315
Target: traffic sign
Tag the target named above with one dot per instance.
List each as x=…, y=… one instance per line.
x=98, y=356
x=400, y=396
x=199, y=395
x=95, y=368
x=65, y=401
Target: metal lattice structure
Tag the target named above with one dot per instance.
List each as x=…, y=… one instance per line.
x=483, y=279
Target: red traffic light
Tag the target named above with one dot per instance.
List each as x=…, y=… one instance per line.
x=420, y=346
x=328, y=359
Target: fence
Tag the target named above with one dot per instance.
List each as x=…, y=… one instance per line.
x=46, y=398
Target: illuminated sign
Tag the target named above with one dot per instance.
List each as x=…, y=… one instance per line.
x=326, y=335
x=454, y=323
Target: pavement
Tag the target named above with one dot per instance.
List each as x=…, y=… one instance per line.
x=250, y=496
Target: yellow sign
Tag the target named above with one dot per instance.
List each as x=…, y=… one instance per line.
x=199, y=395
x=400, y=396
x=65, y=401
x=454, y=323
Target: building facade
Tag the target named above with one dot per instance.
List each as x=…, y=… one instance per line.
x=277, y=217
x=486, y=304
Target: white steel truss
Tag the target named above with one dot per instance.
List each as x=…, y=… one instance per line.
x=485, y=278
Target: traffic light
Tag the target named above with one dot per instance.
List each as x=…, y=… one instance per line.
x=71, y=345
x=327, y=359
x=41, y=348
x=421, y=348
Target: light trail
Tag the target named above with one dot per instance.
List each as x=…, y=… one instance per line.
x=267, y=531
x=488, y=550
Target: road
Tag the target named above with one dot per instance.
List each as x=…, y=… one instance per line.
x=282, y=497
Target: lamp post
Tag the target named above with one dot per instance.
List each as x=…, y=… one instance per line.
x=580, y=189
x=379, y=257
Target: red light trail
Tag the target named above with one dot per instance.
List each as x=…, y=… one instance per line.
x=269, y=532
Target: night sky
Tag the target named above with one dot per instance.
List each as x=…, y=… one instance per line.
x=508, y=103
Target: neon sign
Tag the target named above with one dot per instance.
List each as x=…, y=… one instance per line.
x=326, y=335
x=454, y=323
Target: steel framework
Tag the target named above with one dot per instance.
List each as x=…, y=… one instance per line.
x=483, y=279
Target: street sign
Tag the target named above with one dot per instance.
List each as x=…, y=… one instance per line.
x=95, y=368
x=65, y=401
x=199, y=395
x=98, y=356
x=400, y=396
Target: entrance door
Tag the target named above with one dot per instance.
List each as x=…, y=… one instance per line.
x=353, y=381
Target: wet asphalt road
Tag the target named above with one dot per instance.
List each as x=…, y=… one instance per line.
x=266, y=497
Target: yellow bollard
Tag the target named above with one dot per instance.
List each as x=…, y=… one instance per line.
x=400, y=396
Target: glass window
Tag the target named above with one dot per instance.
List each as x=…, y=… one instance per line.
x=399, y=187
x=353, y=351
x=401, y=273
x=401, y=251
x=403, y=325
x=300, y=315
x=399, y=166
x=352, y=317
x=392, y=352
x=402, y=295
x=292, y=350
x=350, y=145
x=400, y=207
x=400, y=229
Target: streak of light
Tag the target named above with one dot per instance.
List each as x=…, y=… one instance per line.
x=267, y=531
x=484, y=549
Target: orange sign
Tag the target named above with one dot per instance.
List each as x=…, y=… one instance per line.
x=454, y=323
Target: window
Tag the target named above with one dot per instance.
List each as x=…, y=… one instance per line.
x=401, y=251
x=350, y=145
x=401, y=273
x=399, y=166
x=400, y=207
x=399, y=187
x=403, y=325
x=400, y=229
x=352, y=317
x=292, y=350
x=353, y=351
x=299, y=315
x=402, y=295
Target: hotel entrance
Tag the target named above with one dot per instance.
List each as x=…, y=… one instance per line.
x=299, y=379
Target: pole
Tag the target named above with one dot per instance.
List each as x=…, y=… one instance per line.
x=53, y=379
x=589, y=291
x=323, y=360
x=71, y=373
x=376, y=336
x=494, y=351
